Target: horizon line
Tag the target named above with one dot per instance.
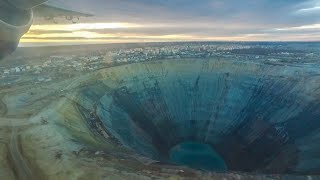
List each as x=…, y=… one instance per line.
x=54, y=44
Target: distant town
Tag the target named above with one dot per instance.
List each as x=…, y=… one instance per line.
x=47, y=68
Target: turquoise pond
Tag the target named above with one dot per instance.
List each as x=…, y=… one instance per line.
x=198, y=156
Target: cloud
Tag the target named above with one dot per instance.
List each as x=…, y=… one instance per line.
x=38, y=32
x=300, y=28
x=308, y=10
x=82, y=26
x=261, y=12
x=145, y=20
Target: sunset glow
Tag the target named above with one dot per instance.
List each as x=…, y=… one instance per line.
x=158, y=21
x=81, y=26
x=81, y=33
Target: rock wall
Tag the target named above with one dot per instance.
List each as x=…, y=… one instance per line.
x=259, y=117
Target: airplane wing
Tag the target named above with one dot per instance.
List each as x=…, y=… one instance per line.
x=17, y=16
x=46, y=10
x=54, y=9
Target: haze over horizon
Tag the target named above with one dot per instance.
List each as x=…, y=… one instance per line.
x=181, y=20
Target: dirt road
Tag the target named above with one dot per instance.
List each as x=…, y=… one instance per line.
x=21, y=166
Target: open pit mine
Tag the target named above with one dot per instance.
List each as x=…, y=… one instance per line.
x=208, y=118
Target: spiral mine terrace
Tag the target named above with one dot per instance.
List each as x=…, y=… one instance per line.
x=256, y=117
x=200, y=118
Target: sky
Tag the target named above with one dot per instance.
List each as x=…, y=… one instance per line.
x=182, y=20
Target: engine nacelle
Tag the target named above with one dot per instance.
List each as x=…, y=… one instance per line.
x=14, y=22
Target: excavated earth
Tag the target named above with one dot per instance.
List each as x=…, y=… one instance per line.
x=260, y=121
